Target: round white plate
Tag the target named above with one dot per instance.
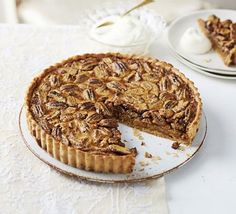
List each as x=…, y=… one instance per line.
x=202, y=71
x=231, y=74
x=210, y=60
x=165, y=159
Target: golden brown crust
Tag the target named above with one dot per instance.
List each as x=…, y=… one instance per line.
x=87, y=160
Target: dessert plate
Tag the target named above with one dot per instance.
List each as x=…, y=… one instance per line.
x=164, y=158
x=225, y=73
x=210, y=60
x=203, y=71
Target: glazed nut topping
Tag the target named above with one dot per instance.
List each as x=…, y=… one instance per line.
x=81, y=102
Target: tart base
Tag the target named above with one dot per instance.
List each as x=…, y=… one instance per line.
x=78, y=158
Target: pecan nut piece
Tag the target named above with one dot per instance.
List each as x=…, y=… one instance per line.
x=119, y=67
x=56, y=132
x=175, y=145
x=57, y=105
x=72, y=101
x=83, y=126
x=88, y=64
x=89, y=94
x=93, y=118
x=81, y=115
x=69, y=87
x=37, y=110
x=86, y=106
x=115, y=86
x=55, y=94
x=119, y=149
x=81, y=78
x=101, y=108
x=110, y=123
x=167, y=113
x=45, y=125
x=94, y=81
x=54, y=80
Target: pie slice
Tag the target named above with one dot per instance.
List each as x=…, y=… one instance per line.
x=73, y=108
x=222, y=35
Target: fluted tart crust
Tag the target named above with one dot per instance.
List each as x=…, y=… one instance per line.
x=73, y=108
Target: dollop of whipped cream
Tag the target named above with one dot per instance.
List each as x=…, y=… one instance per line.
x=194, y=42
x=124, y=31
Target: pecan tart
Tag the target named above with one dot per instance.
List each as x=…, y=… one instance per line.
x=222, y=35
x=73, y=108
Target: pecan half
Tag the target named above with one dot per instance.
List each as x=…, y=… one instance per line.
x=115, y=86
x=58, y=105
x=119, y=67
x=110, y=123
x=119, y=149
x=56, y=132
x=81, y=78
x=88, y=64
x=37, y=110
x=93, y=118
x=86, y=106
x=54, y=80
x=94, y=81
x=101, y=108
x=69, y=87
x=89, y=94
x=55, y=94
x=83, y=127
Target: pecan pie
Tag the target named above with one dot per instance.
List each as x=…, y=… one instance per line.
x=73, y=108
x=222, y=35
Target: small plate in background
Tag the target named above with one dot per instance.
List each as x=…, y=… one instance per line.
x=210, y=60
x=202, y=71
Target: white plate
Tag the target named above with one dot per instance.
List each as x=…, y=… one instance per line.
x=165, y=158
x=225, y=73
x=202, y=71
x=210, y=60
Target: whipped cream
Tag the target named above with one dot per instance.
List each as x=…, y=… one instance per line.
x=194, y=42
x=126, y=30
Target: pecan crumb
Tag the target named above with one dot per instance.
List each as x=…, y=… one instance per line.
x=156, y=158
x=207, y=60
x=142, y=143
x=134, y=151
x=143, y=163
x=175, y=145
x=148, y=155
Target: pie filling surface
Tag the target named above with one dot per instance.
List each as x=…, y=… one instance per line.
x=80, y=101
x=222, y=35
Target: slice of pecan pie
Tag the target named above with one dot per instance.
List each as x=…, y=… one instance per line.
x=73, y=108
x=222, y=35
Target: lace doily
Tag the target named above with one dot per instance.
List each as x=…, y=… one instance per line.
x=27, y=185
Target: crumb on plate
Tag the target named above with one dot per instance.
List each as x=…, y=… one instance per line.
x=148, y=155
x=175, y=145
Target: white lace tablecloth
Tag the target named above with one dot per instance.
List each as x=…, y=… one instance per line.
x=27, y=185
